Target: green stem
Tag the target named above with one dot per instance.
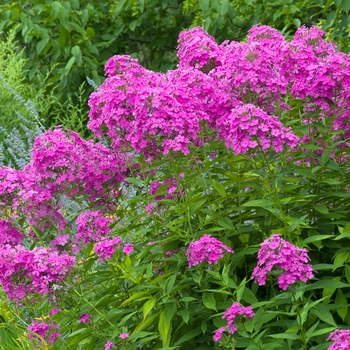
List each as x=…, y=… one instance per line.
x=93, y=307
x=301, y=324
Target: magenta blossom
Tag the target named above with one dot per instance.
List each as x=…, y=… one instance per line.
x=207, y=249
x=124, y=335
x=54, y=311
x=107, y=247
x=44, y=330
x=341, y=339
x=108, y=345
x=85, y=318
x=24, y=273
x=231, y=315
x=275, y=251
x=128, y=248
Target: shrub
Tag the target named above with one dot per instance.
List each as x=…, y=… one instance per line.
x=213, y=215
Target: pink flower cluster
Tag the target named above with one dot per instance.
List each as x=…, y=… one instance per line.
x=9, y=234
x=231, y=315
x=206, y=249
x=92, y=226
x=248, y=127
x=216, y=85
x=25, y=273
x=107, y=247
x=65, y=163
x=341, y=339
x=45, y=330
x=293, y=261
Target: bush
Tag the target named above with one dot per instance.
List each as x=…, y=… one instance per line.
x=213, y=214
x=70, y=40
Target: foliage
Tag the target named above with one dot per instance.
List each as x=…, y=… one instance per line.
x=13, y=330
x=193, y=221
x=14, y=92
x=73, y=39
x=20, y=121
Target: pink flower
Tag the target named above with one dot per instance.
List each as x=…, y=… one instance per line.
x=54, y=311
x=108, y=345
x=275, y=251
x=231, y=315
x=128, y=248
x=25, y=273
x=207, y=249
x=9, y=234
x=107, y=247
x=341, y=339
x=149, y=209
x=44, y=330
x=60, y=240
x=218, y=334
x=92, y=226
x=84, y=318
x=124, y=335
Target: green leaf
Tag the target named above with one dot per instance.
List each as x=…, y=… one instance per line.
x=185, y=314
x=134, y=181
x=284, y=336
x=146, y=322
x=326, y=284
x=322, y=312
x=148, y=306
x=320, y=332
x=316, y=238
x=321, y=209
x=77, y=54
x=42, y=44
x=189, y=335
x=209, y=301
x=325, y=156
x=68, y=66
x=346, y=6
x=137, y=296
x=340, y=299
x=261, y=203
x=204, y=5
x=226, y=223
x=119, y=7
x=164, y=327
x=196, y=205
x=220, y=188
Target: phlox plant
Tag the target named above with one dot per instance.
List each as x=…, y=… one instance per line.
x=211, y=211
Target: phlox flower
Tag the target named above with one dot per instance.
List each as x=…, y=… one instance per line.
x=92, y=226
x=149, y=208
x=60, y=240
x=128, y=248
x=231, y=315
x=207, y=249
x=275, y=251
x=108, y=345
x=44, y=330
x=107, y=247
x=9, y=234
x=124, y=335
x=248, y=127
x=85, y=318
x=54, y=311
x=341, y=339
x=27, y=272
